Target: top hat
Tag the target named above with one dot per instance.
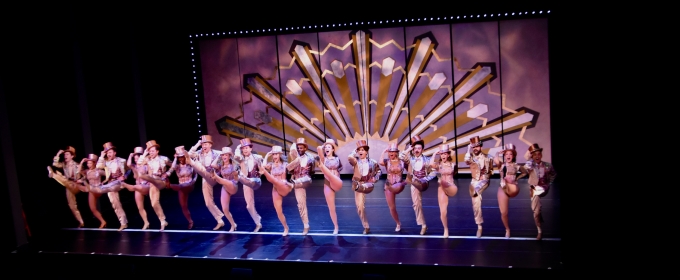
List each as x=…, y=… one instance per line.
x=444, y=148
x=475, y=141
x=509, y=147
x=301, y=141
x=179, y=151
x=392, y=147
x=417, y=140
x=276, y=150
x=227, y=150
x=246, y=142
x=71, y=150
x=332, y=143
x=108, y=146
x=535, y=148
x=362, y=143
x=92, y=157
x=138, y=150
x=152, y=143
x=206, y=139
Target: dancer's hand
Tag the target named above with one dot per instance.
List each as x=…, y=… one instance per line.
x=163, y=176
x=60, y=152
x=102, y=154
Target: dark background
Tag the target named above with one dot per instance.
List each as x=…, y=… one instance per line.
x=54, y=54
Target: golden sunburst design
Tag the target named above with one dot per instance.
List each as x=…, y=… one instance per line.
x=362, y=89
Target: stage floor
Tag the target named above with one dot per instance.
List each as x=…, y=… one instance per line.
x=383, y=246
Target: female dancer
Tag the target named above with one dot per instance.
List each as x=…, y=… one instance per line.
x=505, y=160
x=156, y=168
x=278, y=179
x=141, y=187
x=229, y=181
x=445, y=169
x=92, y=178
x=330, y=165
x=395, y=181
x=187, y=177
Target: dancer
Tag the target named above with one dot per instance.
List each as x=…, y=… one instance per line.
x=156, y=168
x=277, y=177
x=330, y=165
x=92, y=179
x=395, y=181
x=68, y=179
x=187, y=178
x=141, y=187
x=115, y=168
x=481, y=169
x=249, y=176
x=505, y=160
x=366, y=173
x=228, y=171
x=541, y=176
x=301, y=167
x=418, y=176
x=205, y=157
x=446, y=169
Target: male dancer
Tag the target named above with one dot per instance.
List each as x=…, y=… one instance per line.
x=541, y=176
x=419, y=175
x=68, y=179
x=205, y=156
x=115, y=166
x=301, y=168
x=249, y=177
x=156, y=167
x=366, y=173
x=481, y=168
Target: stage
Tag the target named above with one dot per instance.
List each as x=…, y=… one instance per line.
x=382, y=253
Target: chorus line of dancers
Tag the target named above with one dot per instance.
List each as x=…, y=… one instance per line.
x=105, y=174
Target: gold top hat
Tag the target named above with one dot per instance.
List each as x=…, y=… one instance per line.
x=474, y=141
x=301, y=141
x=392, y=147
x=417, y=140
x=139, y=150
x=332, y=143
x=179, y=151
x=206, y=139
x=92, y=157
x=71, y=150
x=152, y=143
x=362, y=143
x=444, y=148
x=535, y=148
x=276, y=150
x=246, y=142
x=227, y=150
x=510, y=147
x=108, y=146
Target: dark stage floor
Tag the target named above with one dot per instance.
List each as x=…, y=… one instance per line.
x=383, y=247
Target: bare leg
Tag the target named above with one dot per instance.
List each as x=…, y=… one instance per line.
x=503, y=201
x=229, y=186
x=278, y=201
x=283, y=187
x=184, y=203
x=225, y=198
x=334, y=180
x=92, y=199
x=391, y=203
x=156, y=182
x=144, y=189
x=330, y=200
x=443, y=209
x=511, y=189
x=139, y=200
